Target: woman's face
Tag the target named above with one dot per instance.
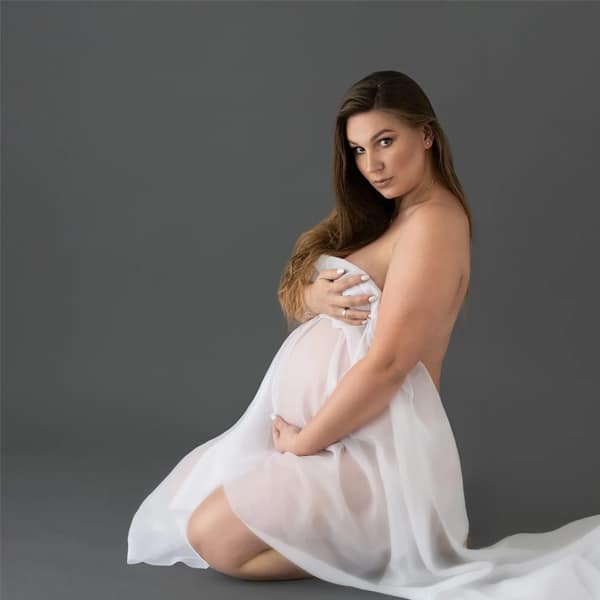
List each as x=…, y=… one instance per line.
x=399, y=152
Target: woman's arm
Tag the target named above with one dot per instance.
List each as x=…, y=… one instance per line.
x=362, y=394
x=421, y=285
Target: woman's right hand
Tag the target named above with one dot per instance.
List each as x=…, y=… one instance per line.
x=324, y=295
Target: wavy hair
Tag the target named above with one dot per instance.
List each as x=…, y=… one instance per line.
x=361, y=214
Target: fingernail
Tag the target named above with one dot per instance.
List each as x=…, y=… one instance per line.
x=364, y=277
x=273, y=415
x=365, y=321
x=372, y=298
x=340, y=270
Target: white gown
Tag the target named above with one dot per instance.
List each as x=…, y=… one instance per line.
x=383, y=509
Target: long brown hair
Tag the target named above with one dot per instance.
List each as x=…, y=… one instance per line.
x=361, y=214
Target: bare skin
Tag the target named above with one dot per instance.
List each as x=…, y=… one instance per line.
x=406, y=158
x=229, y=547
x=324, y=295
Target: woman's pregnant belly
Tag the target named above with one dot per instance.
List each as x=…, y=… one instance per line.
x=310, y=371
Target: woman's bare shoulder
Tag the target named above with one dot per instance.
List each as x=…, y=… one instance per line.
x=443, y=200
x=444, y=204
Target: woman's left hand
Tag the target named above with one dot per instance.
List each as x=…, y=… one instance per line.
x=285, y=435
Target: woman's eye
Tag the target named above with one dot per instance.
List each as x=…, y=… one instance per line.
x=354, y=150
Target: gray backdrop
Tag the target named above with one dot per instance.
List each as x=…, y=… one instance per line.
x=159, y=161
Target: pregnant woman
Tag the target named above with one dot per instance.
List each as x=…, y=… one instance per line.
x=344, y=466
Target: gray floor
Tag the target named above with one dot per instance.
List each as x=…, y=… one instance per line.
x=65, y=520
x=65, y=517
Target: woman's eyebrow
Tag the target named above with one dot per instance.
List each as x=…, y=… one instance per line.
x=373, y=136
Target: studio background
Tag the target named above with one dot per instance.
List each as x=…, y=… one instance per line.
x=159, y=161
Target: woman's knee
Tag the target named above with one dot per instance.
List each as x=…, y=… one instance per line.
x=205, y=529
x=216, y=533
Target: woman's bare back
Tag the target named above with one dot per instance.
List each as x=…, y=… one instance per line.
x=374, y=259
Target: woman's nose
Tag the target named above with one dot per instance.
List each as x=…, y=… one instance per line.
x=374, y=164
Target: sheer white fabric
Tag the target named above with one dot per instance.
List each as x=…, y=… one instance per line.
x=383, y=509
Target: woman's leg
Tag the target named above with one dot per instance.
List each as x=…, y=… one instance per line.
x=228, y=546
x=270, y=564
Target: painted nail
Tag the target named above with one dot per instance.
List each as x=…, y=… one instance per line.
x=372, y=298
x=364, y=277
x=340, y=270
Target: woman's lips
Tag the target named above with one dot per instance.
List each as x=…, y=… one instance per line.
x=382, y=183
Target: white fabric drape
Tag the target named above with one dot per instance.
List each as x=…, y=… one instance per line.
x=383, y=509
